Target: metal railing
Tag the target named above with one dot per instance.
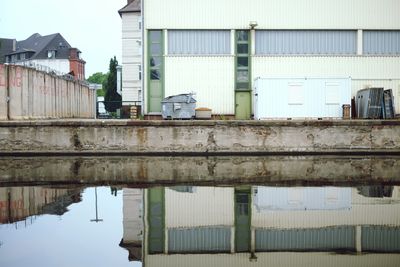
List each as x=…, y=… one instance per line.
x=118, y=109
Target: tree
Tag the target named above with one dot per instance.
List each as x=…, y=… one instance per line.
x=99, y=78
x=113, y=100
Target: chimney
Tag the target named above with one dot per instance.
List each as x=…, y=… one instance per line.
x=14, y=47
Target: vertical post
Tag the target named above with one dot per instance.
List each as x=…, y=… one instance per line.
x=233, y=239
x=7, y=80
x=358, y=239
x=359, y=42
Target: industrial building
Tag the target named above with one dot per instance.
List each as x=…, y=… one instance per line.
x=217, y=49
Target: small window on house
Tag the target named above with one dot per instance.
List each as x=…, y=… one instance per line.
x=140, y=72
x=51, y=54
x=22, y=56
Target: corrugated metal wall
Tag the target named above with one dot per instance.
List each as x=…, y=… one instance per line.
x=211, y=78
x=323, y=239
x=380, y=238
x=272, y=14
x=191, y=209
x=207, y=239
x=198, y=42
x=306, y=42
x=381, y=42
x=281, y=259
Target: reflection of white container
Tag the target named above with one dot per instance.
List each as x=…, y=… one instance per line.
x=281, y=98
x=302, y=198
x=203, y=113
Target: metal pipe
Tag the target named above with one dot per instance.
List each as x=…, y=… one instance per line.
x=7, y=80
x=143, y=50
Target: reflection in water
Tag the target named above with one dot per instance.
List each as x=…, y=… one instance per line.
x=211, y=226
x=18, y=203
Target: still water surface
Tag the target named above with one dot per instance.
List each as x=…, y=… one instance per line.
x=200, y=226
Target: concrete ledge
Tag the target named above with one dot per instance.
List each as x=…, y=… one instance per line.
x=200, y=137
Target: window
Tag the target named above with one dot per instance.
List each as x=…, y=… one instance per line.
x=242, y=60
x=156, y=54
x=22, y=57
x=51, y=54
x=199, y=42
x=381, y=42
x=310, y=42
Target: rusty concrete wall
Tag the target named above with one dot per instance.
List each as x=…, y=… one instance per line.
x=3, y=93
x=200, y=136
x=133, y=170
x=38, y=95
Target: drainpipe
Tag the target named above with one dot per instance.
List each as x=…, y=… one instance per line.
x=7, y=80
x=142, y=63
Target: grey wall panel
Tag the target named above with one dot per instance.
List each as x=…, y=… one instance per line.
x=380, y=238
x=381, y=42
x=321, y=239
x=199, y=42
x=309, y=42
x=199, y=239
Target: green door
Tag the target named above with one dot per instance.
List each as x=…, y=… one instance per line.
x=156, y=95
x=243, y=105
x=156, y=215
x=242, y=220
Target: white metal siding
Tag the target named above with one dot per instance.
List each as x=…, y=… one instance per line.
x=272, y=14
x=363, y=211
x=199, y=42
x=131, y=56
x=211, y=78
x=306, y=42
x=201, y=239
x=381, y=42
x=364, y=71
x=320, y=239
x=282, y=259
x=191, y=209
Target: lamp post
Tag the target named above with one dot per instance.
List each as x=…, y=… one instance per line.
x=97, y=216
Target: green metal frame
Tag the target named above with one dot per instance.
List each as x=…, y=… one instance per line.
x=149, y=214
x=247, y=190
x=249, y=43
x=148, y=71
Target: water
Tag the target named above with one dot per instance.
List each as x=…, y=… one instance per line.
x=340, y=220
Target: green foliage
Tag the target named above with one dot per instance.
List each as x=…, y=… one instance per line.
x=113, y=100
x=100, y=92
x=98, y=78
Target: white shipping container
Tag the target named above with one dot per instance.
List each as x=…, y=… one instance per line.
x=279, y=98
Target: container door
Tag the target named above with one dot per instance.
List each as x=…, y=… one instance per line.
x=243, y=105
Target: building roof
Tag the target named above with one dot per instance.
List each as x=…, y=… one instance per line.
x=41, y=44
x=132, y=6
x=6, y=46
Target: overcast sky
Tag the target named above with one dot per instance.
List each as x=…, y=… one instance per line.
x=93, y=26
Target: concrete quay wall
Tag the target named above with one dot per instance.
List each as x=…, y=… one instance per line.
x=199, y=137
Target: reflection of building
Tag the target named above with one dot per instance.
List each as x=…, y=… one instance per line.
x=133, y=223
x=227, y=226
x=18, y=203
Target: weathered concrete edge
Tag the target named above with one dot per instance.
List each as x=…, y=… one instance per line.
x=195, y=123
x=353, y=152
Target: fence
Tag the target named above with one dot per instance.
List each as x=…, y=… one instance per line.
x=26, y=93
x=123, y=109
